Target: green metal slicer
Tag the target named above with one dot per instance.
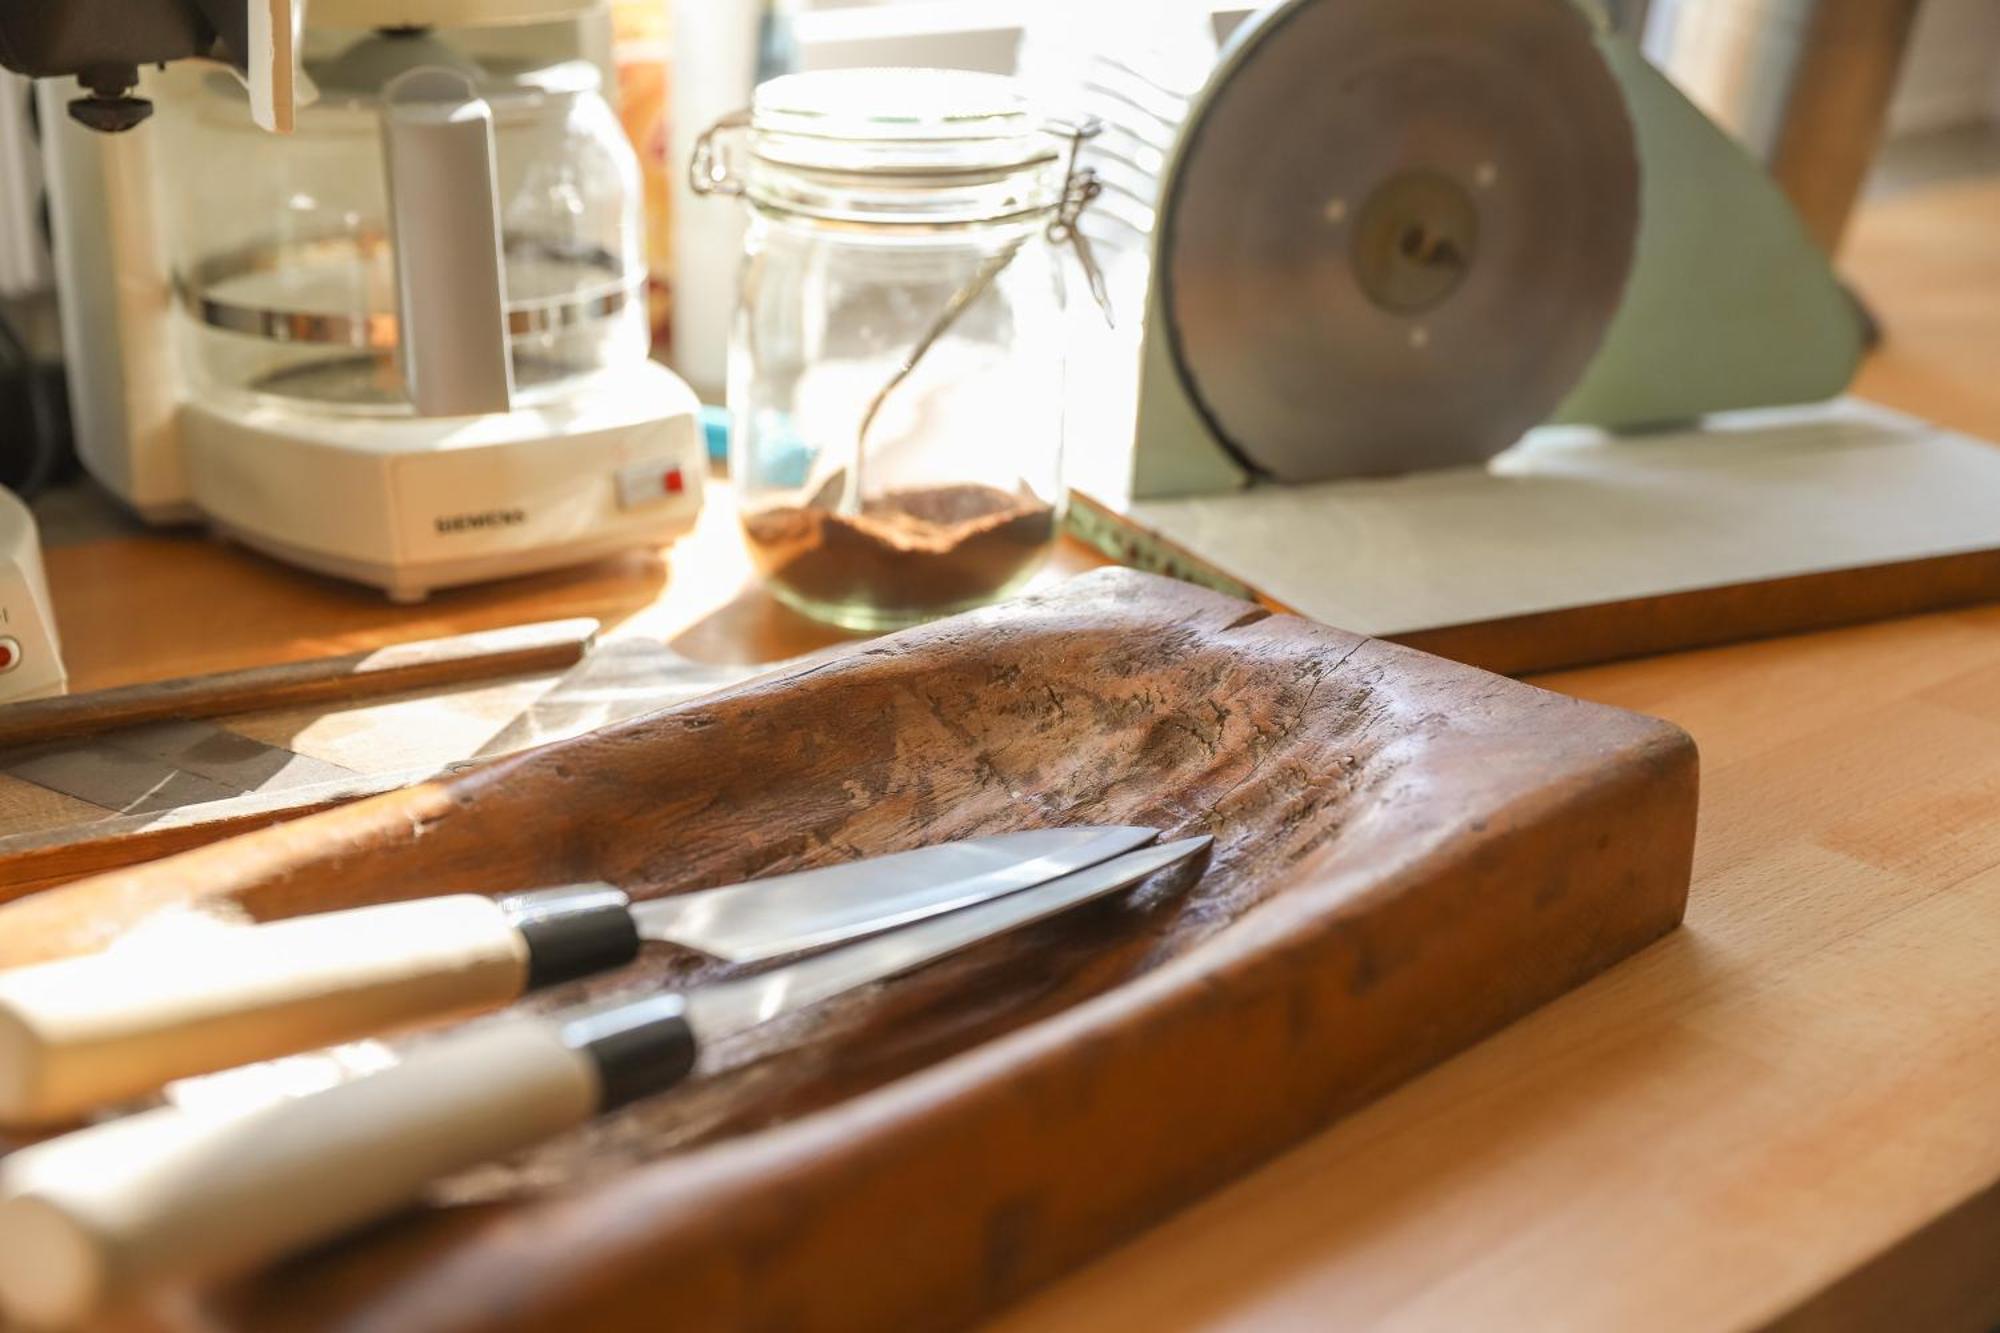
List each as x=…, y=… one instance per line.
x=1396, y=234
x=1467, y=328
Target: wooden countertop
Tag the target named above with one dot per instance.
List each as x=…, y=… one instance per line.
x=1787, y=1111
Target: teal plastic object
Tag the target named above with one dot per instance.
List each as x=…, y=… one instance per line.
x=715, y=432
x=788, y=459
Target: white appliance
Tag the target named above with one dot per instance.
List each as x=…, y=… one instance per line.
x=30, y=655
x=403, y=343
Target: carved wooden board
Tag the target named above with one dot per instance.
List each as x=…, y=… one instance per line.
x=1410, y=853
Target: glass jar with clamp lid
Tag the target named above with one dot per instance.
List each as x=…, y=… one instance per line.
x=896, y=368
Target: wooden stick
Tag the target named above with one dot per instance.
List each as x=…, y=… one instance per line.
x=31, y=862
x=487, y=655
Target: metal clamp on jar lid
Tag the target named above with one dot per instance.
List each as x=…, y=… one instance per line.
x=926, y=146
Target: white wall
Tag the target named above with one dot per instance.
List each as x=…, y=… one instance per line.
x=1951, y=74
x=955, y=34
x=951, y=34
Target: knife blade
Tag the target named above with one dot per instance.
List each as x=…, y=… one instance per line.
x=726, y=1008
x=87, y=1032
x=172, y=1194
x=810, y=909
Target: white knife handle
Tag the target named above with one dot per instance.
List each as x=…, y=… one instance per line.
x=95, y=1217
x=85, y=1032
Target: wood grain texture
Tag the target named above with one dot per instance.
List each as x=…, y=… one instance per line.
x=1928, y=264
x=1807, y=1067
x=1784, y=1112
x=517, y=650
x=1735, y=1126
x=1705, y=617
x=621, y=678
x=419, y=732
x=1410, y=853
x=170, y=602
x=32, y=862
x=134, y=609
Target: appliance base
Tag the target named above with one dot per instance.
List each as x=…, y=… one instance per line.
x=411, y=505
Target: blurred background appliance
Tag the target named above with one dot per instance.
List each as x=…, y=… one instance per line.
x=30, y=655
x=1805, y=85
x=405, y=343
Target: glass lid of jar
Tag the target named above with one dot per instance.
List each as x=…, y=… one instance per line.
x=926, y=146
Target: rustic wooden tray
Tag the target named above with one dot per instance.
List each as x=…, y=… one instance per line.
x=1409, y=854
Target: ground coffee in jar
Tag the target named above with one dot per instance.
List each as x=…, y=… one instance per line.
x=908, y=554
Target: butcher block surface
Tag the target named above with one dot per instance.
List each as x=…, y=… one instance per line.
x=1409, y=853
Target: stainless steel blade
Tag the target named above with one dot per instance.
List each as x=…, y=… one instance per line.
x=1396, y=231
x=732, y=1006
x=814, y=908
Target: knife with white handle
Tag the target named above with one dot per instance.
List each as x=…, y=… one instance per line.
x=91, y=1218
x=88, y=1032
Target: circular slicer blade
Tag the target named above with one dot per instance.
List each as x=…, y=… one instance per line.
x=1396, y=231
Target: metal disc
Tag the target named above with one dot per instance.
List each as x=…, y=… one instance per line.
x=1396, y=231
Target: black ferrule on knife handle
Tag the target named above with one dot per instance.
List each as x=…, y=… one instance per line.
x=573, y=931
x=640, y=1047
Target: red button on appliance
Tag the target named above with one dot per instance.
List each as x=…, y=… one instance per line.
x=651, y=481
x=10, y=654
